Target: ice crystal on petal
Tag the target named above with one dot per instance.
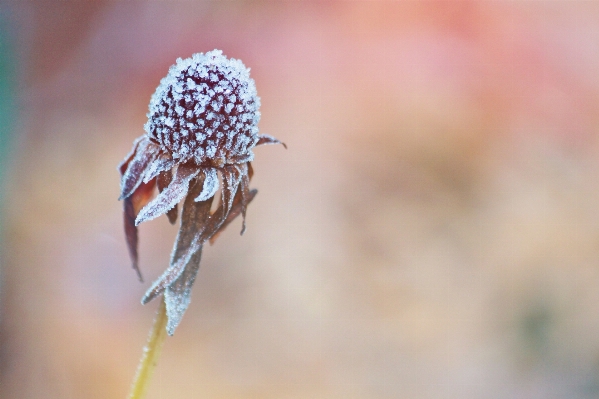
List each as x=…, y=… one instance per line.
x=177, y=295
x=170, y=196
x=210, y=185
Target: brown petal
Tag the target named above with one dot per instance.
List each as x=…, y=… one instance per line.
x=162, y=181
x=177, y=296
x=132, y=205
x=162, y=163
x=231, y=178
x=193, y=222
x=245, y=193
x=235, y=211
x=146, y=152
x=125, y=162
x=170, y=196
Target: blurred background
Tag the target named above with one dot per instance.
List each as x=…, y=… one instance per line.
x=431, y=232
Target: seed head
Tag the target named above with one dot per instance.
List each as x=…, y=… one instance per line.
x=206, y=110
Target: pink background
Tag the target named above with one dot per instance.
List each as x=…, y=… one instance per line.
x=431, y=232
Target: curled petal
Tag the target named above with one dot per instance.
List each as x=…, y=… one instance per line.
x=235, y=211
x=250, y=170
x=125, y=162
x=170, y=196
x=162, y=163
x=245, y=193
x=267, y=139
x=132, y=205
x=145, y=153
x=177, y=296
x=162, y=181
x=210, y=185
x=231, y=178
x=193, y=222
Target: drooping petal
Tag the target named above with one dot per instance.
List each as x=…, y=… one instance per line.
x=193, y=221
x=250, y=170
x=231, y=178
x=244, y=187
x=162, y=181
x=162, y=163
x=122, y=168
x=177, y=296
x=235, y=211
x=146, y=152
x=210, y=185
x=132, y=205
x=170, y=196
x=267, y=139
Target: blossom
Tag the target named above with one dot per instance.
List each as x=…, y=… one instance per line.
x=202, y=124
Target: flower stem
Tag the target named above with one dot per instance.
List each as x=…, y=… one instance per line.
x=149, y=359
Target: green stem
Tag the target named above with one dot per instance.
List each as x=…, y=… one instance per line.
x=149, y=359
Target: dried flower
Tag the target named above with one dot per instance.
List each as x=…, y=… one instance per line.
x=202, y=122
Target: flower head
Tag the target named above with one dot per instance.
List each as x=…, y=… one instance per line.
x=206, y=109
x=202, y=123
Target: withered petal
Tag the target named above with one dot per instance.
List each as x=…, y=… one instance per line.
x=231, y=178
x=235, y=211
x=146, y=152
x=210, y=186
x=162, y=162
x=193, y=222
x=125, y=162
x=245, y=193
x=268, y=139
x=177, y=295
x=162, y=181
x=132, y=205
x=170, y=196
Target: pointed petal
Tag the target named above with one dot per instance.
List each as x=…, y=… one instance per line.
x=231, y=178
x=245, y=193
x=210, y=185
x=132, y=204
x=133, y=176
x=178, y=295
x=125, y=162
x=162, y=181
x=250, y=170
x=235, y=211
x=170, y=196
x=160, y=164
x=267, y=139
x=193, y=221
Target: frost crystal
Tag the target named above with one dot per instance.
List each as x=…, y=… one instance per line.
x=214, y=99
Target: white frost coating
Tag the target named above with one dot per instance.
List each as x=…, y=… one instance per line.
x=210, y=185
x=169, y=197
x=215, y=99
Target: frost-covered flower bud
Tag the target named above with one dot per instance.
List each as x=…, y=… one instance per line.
x=206, y=110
